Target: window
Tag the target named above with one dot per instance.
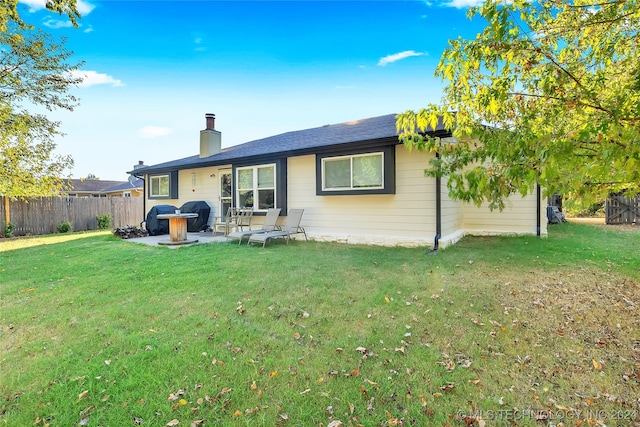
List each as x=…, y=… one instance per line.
x=164, y=186
x=160, y=186
x=126, y=194
x=356, y=173
x=353, y=172
x=256, y=187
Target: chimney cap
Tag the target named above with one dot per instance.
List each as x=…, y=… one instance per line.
x=210, y=121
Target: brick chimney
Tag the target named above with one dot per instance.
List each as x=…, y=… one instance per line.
x=210, y=138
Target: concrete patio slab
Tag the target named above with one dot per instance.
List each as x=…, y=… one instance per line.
x=202, y=238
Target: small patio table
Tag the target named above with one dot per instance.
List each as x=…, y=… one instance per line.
x=177, y=228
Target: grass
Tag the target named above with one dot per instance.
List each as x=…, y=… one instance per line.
x=99, y=331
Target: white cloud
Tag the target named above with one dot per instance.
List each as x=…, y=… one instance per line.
x=199, y=44
x=149, y=132
x=92, y=78
x=89, y=29
x=463, y=4
x=57, y=23
x=83, y=7
x=398, y=56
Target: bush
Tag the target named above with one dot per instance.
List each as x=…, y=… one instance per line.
x=104, y=221
x=578, y=208
x=64, y=227
x=8, y=229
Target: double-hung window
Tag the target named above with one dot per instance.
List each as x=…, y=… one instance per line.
x=256, y=187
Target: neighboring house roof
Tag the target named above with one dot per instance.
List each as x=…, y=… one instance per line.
x=125, y=186
x=89, y=185
x=295, y=143
x=97, y=186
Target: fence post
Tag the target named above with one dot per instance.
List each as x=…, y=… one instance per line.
x=7, y=212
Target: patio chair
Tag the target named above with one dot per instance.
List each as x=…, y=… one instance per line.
x=227, y=222
x=243, y=218
x=291, y=227
x=269, y=225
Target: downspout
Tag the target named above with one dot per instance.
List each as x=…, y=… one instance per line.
x=538, y=206
x=436, y=239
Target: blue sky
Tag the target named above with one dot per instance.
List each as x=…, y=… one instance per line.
x=153, y=69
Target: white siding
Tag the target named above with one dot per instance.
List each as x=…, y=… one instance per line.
x=518, y=217
x=406, y=218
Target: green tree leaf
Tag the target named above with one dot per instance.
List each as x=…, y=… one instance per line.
x=548, y=92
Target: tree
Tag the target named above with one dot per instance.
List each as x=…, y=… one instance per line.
x=92, y=177
x=548, y=93
x=34, y=73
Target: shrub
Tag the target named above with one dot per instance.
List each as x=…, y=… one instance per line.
x=8, y=229
x=578, y=208
x=104, y=221
x=64, y=227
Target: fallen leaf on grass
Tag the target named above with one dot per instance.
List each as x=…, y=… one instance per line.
x=597, y=365
x=448, y=387
x=82, y=395
x=86, y=410
x=173, y=422
x=371, y=383
x=197, y=423
x=335, y=423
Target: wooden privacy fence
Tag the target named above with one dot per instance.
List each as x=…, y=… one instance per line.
x=622, y=210
x=42, y=215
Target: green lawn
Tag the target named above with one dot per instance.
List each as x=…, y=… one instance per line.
x=99, y=331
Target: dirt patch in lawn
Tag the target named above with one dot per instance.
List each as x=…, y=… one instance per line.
x=588, y=322
x=600, y=222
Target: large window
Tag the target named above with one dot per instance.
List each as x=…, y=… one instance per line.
x=256, y=187
x=356, y=172
x=353, y=172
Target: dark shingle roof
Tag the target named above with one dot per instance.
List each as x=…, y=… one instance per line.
x=293, y=143
x=138, y=183
x=90, y=185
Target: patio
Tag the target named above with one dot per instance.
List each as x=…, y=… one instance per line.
x=202, y=238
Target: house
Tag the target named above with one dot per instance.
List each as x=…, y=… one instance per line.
x=100, y=188
x=356, y=182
